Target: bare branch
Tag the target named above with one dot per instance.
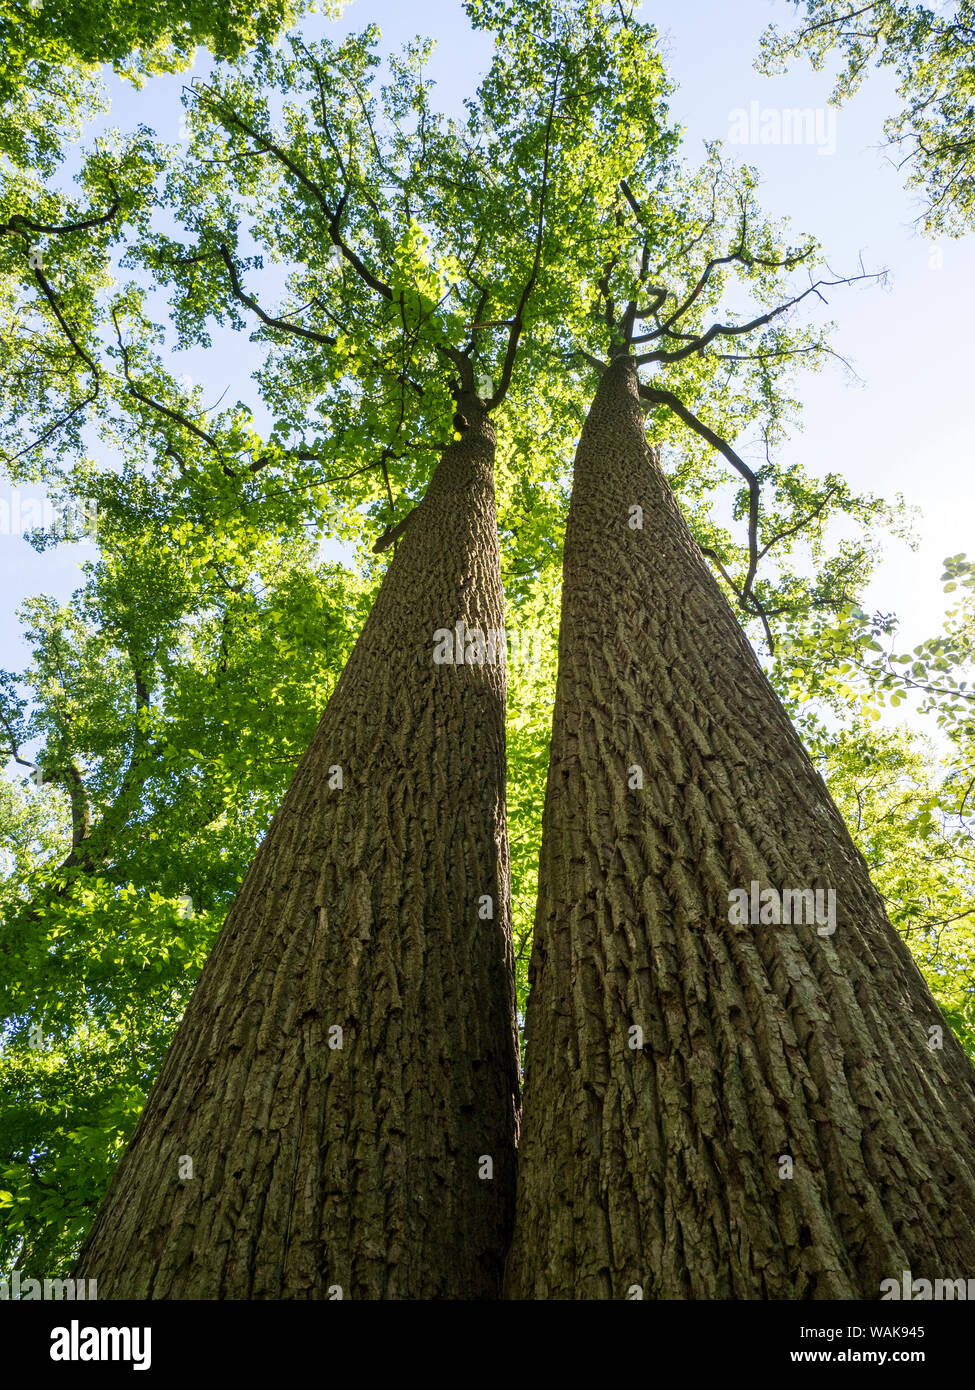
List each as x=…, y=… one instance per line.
x=18, y=220
x=667, y=398
x=282, y=324
x=178, y=417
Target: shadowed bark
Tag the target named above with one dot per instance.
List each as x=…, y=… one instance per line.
x=359, y=1166
x=781, y=1128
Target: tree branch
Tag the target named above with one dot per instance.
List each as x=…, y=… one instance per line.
x=666, y=398
x=282, y=324
x=514, y=333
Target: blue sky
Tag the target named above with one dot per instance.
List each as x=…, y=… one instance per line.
x=904, y=427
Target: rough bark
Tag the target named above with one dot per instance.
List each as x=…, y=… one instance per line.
x=657, y=1172
x=361, y=1167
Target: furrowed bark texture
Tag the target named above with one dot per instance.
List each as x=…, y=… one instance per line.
x=661, y=1166
x=359, y=1167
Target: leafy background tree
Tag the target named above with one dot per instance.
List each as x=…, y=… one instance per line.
x=931, y=51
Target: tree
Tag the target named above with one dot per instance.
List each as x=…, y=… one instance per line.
x=381, y=890
x=370, y=939
x=726, y=1096
x=932, y=52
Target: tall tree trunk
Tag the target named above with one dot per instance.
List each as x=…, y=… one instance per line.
x=785, y=1127
x=361, y=1166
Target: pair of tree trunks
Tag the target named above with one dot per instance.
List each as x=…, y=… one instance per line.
x=715, y=1108
x=338, y=1110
